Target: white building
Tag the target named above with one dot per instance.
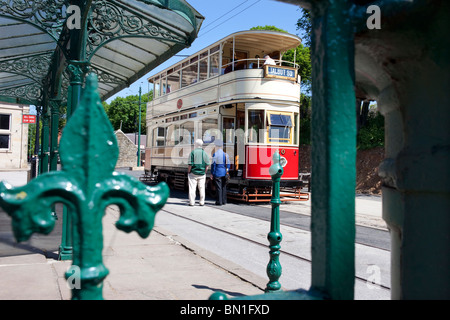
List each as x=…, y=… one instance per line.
x=13, y=144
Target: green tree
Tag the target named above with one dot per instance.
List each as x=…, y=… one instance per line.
x=302, y=58
x=371, y=135
x=305, y=27
x=123, y=112
x=270, y=28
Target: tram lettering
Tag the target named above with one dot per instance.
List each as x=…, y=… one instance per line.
x=281, y=72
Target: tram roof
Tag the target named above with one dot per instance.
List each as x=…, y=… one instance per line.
x=263, y=40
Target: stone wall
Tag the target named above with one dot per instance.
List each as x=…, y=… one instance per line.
x=127, y=151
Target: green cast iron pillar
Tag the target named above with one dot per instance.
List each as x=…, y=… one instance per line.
x=139, y=132
x=77, y=73
x=87, y=184
x=54, y=118
x=45, y=139
x=333, y=153
x=274, y=236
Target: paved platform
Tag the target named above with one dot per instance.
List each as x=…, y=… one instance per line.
x=157, y=268
x=162, y=267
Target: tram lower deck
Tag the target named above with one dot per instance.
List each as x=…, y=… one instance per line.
x=223, y=93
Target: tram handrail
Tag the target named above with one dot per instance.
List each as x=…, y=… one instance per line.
x=259, y=64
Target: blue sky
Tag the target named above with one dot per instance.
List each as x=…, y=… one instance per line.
x=223, y=18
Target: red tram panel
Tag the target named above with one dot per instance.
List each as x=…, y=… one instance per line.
x=259, y=159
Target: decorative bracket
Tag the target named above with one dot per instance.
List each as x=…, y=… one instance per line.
x=87, y=184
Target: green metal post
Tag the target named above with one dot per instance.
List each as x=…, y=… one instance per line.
x=54, y=108
x=45, y=136
x=139, y=132
x=86, y=184
x=333, y=151
x=274, y=236
x=73, y=98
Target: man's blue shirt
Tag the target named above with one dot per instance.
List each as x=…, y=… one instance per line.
x=220, y=163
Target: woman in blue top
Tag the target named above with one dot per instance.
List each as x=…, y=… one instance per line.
x=220, y=165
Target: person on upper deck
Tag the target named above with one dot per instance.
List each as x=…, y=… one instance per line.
x=269, y=60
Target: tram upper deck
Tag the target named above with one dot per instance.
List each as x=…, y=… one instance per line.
x=230, y=69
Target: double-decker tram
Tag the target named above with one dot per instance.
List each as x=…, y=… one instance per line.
x=229, y=91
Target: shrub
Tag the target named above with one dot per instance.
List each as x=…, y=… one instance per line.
x=372, y=134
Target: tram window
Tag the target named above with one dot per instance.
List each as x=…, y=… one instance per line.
x=173, y=135
x=189, y=75
x=209, y=130
x=170, y=134
x=215, y=49
x=280, y=120
x=156, y=87
x=158, y=136
x=228, y=129
x=187, y=133
x=214, y=67
x=173, y=81
x=255, y=124
x=163, y=86
x=279, y=134
x=203, y=75
x=279, y=127
x=240, y=119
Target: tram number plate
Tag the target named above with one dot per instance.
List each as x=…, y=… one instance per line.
x=280, y=72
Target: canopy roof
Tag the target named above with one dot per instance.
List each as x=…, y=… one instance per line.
x=124, y=40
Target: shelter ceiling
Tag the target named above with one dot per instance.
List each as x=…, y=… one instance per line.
x=124, y=41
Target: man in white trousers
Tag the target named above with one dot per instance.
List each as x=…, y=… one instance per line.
x=198, y=163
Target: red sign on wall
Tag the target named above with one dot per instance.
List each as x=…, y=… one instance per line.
x=28, y=118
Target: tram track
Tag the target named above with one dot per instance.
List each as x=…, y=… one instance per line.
x=365, y=235
x=259, y=243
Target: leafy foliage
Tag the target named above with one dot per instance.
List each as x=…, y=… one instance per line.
x=372, y=133
x=305, y=26
x=302, y=58
x=123, y=112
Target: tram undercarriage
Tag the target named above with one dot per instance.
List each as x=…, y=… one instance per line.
x=261, y=191
x=247, y=191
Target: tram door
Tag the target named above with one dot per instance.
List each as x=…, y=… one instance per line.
x=228, y=136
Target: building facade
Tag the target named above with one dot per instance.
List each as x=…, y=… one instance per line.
x=13, y=143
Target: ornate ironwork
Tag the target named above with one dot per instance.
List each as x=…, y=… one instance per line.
x=34, y=67
x=32, y=92
x=48, y=15
x=87, y=185
x=109, y=21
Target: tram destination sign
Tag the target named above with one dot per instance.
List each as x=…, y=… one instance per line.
x=280, y=72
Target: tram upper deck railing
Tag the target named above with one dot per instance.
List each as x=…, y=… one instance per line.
x=242, y=84
x=255, y=63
